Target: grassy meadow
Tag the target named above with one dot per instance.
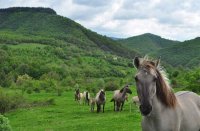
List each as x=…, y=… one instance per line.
x=68, y=115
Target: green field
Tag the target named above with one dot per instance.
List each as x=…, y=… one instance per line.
x=68, y=115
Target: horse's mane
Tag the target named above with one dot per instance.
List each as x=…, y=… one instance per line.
x=163, y=89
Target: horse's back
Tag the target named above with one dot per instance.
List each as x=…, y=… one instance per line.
x=190, y=107
x=116, y=94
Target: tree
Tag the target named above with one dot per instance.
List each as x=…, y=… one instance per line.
x=4, y=124
x=24, y=82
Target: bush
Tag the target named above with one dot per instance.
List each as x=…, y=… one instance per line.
x=29, y=91
x=4, y=124
x=10, y=102
x=111, y=86
x=36, y=90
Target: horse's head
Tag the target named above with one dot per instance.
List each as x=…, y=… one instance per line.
x=77, y=91
x=146, y=83
x=102, y=95
x=126, y=89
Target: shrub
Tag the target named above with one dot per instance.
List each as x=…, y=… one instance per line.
x=111, y=86
x=29, y=91
x=4, y=124
x=36, y=90
x=8, y=102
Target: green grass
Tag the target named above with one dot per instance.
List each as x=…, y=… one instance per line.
x=69, y=115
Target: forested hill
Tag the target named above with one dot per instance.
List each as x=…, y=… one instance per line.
x=147, y=43
x=51, y=52
x=186, y=54
x=43, y=25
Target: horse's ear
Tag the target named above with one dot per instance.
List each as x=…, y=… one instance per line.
x=157, y=62
x=136, y=62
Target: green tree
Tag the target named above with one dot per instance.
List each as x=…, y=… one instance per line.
x=4, y=124
x=24, y=82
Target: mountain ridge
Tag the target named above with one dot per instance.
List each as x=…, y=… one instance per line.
x=147, y=43
x=33, y=22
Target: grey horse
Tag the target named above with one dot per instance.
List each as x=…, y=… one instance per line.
x=100, y=100
x=163, y=110
x=119, y=97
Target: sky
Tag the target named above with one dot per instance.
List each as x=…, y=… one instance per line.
x=171, y=19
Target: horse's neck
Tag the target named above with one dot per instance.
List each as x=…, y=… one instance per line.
x=123, y=94
x=157, y=107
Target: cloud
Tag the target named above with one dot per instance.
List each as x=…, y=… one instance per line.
x=94, y=3
x=177, y=19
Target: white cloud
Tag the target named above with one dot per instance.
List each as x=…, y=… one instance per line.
x=177, y=19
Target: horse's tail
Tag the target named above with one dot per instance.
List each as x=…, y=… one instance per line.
x=87, y=96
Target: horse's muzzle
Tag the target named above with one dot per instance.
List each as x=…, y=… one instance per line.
x=145, y=110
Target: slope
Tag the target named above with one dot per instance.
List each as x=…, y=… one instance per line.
x=147, y=43
x=43, y=24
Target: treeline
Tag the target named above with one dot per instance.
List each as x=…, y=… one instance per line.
x=28, y=9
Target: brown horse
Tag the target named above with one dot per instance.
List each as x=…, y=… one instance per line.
x=77, y=95
x=119, y=97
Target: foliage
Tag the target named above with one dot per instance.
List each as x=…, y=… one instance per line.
x=10, y=102
x=4, y=124
x=111, y=86
x=185, y=54
x=147, y=43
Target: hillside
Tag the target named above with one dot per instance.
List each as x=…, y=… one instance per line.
x=48, y=47
x=147, y=43
x=43, y=25
x=186, y=54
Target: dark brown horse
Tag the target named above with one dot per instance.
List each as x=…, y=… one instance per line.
x=77, y=95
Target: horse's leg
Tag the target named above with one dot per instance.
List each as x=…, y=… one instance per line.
x=118, y=105
x=93, y=108
x=103, y=107
x=122, y=105
x=97, y=108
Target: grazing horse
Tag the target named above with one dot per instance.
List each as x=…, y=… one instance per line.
x=134, y=101
x=119, y=97
x=100, y=100
x=163, y=110
x=86, y=97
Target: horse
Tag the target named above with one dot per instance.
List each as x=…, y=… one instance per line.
x=134, y=101
x=100, y=100
x=92, y=104
x=86, y=97
x=119, y=97
x=163, y=110
x=77, y=95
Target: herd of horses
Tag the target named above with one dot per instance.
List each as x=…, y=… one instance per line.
x=161, y=108
x=99, y=100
